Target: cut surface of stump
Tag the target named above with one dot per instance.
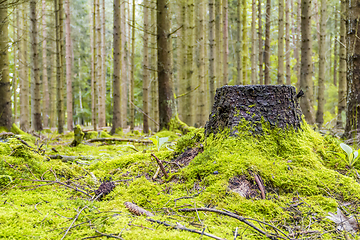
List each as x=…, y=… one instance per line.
x=275, y=104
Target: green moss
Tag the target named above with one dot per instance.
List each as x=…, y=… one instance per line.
x=170, y=134
x=91, y=135
x=119, y=131
x=104, y=134
x=16, y=130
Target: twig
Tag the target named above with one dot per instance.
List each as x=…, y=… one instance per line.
x=181, y=227
x=241, y=219
x=156, y=173
x=118, y=140
x=187, y=197
x=108, y=235
x=73, y=221
x=236, y=232
x=161, y=166
x=258, y=181
x=141, y=226
x=37, y=209
x=145, y=114
x=60, y=183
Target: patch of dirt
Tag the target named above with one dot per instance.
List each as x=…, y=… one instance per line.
x=243, y=187
x=186, y=157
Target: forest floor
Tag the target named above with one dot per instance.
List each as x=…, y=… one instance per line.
x=281, y=185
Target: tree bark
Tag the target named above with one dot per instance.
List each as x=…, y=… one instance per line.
x=322, y=64
x=132, y=81
x=102, y=103
x=35, y=77
x=15, y=77
x=94, y=68
x=244, y=42
x=5, y=94
x=238, y=46
x=352, y=127
x=255, y=104
x=342, y=66
x=145, y=68
x=201, y=69
x=226, y=42
x=267, y=43
x=212, y=47
x=306, y=62
x=287, y=43
x=116, y=121
x=280, y=76
x=335, y=46
x=166, y=97
x=46, y=101
x=253, y=43
x=23, y=73
x=99, y=86
x=261, y=51
x=69, y=95
x=154, y=72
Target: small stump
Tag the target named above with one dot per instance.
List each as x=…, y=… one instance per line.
x=277, y=105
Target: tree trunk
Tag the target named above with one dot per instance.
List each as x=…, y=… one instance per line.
x=287, y=43
x=335, y=46
x=116, y=121
x=298, y=43
x=132, y=81
x=322, y=63
x=267, y=43
x=261, y=51
x=253, y=43
x=94, y=68
x=166, y=97
x=46, y=100
x=123, y=66
x=306, y=62
x=201, y=69
x=35, y=77
x=154, y=72
x=99, y=86
x=226, y=41
x=69, y=95
x=5, y=94
x=52, y=74
x=280, y=76
x=145, y=69
x=342, y=66
x=244, y=42
x=190, y=66
x=182, y=60
x=102, y=115
x=276, y=105
x=15, y=77
x=212, y=74
x=23, y=72
x=353, y=70
x=238, y=46
x=218, y=42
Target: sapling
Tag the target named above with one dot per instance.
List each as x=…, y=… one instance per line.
x=351, y=156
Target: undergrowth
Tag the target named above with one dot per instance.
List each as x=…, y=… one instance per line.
x=303, y=177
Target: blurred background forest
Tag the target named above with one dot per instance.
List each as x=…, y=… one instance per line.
x=61, y=58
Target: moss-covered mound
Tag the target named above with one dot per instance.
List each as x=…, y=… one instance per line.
x=303, y=179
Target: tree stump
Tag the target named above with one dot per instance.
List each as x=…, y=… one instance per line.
x=277, y=105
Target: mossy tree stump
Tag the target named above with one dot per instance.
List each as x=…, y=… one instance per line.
x=256, y=104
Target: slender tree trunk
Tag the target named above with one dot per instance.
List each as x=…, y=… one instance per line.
x=46, y=100
x=35, y=77
x=145, y=68
x=244, y=42
x=69, y=95
x=226, y=41
x=15, y=77
x=267, y=43
x=154, y=72
x=297, y=44
x=102, y=103
x=322, y=63
x=342, y=66
x=352, y=127
x=132, y=81
x=253, y=43
x=287, y=43
x=123, y=65
x=5, y=94
x=261, y=51
x=182, y=60
x=306, y=62
x=201, y=70
x=94, y=68
x=23, y=72
x=166, y=97
x=335, y=46
x=62, y=56
x=218, y=42
x=52, y=73
x=212, y=48
x=116, y=122
x=189, y=97
x=280, y=76
x=238, y=45
x=99, y=86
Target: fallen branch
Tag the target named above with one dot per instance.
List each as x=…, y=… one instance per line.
x=60, y=183
x=108, y=235
x=233, y=215
x=181, y=227
x=65, y=158
x=161, y=166
x=77, y=215
x=118, y=140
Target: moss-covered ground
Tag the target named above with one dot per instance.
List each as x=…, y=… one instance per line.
x=303, y=177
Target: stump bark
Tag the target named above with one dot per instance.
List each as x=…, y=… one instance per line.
x=277, y=105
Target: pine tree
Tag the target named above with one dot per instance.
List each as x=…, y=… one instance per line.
x=69, y=94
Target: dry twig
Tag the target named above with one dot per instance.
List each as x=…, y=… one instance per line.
x=160, y=165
